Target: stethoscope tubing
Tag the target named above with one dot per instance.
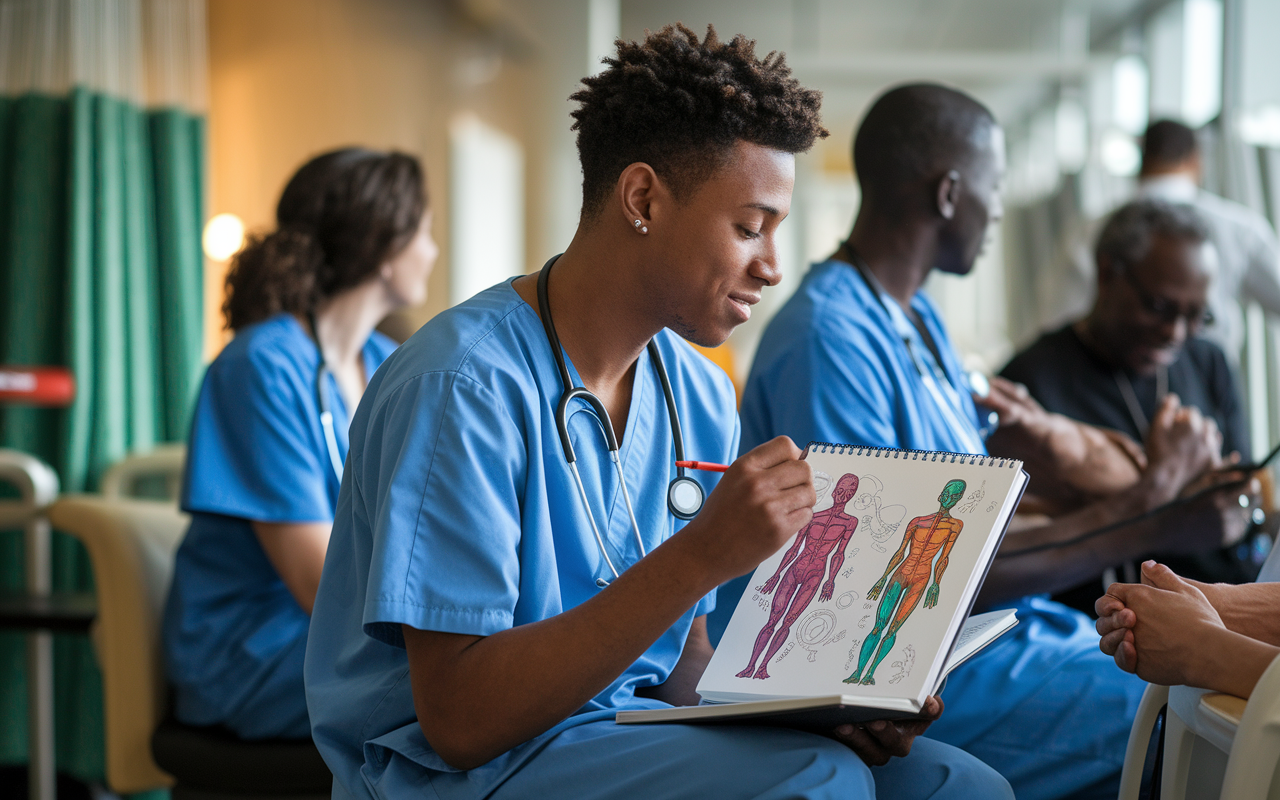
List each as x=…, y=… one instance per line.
x=581, y=393
x=326, y=412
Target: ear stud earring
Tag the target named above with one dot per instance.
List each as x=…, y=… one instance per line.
x=643, y=228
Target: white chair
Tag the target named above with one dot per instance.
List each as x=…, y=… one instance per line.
x=1215, y=745
x=131, y=545
x=1135, y=754
x=164, y=462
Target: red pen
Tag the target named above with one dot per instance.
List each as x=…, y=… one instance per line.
x=703, y=465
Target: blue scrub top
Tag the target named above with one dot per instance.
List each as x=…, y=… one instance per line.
x=458, y=513
x=256, y=452
x=832, y=367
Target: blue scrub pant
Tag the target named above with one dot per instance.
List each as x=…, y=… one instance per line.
x=277, y=709
x=602, y=759
x=1044, y=706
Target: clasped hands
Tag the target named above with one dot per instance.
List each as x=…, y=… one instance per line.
x=1160, y=629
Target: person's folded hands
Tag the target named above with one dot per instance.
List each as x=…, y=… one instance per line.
x=1164, y=640
x=1115, y=627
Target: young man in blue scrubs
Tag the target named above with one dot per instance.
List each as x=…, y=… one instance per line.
x=860, y=356
x=470, y=638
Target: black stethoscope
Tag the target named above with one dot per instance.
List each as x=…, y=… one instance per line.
x=326, y=413
x=684, y=494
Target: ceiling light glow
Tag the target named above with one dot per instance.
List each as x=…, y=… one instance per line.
x=1119, y=153
x=223, y=237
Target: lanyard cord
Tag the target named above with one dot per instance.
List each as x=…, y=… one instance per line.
x=948, y=404
x=1136, y=413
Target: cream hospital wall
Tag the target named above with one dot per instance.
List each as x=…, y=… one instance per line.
x=291, y=78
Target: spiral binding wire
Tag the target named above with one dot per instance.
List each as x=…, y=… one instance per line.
x=912, y=455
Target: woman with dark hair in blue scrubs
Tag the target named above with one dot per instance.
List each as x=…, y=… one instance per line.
x=269, y=436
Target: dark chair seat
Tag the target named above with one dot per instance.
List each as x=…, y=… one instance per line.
x=213, y=763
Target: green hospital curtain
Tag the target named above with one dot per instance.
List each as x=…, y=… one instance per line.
x=100, y=271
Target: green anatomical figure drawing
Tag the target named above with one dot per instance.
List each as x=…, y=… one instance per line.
x=925, y=538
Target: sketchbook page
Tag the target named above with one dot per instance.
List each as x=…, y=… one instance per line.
x=835, y=612
x=979, y=631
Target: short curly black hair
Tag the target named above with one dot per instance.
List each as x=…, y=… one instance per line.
x=680, y=105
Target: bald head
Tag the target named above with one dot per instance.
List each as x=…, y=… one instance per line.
x=912, y=135
x=930, y=161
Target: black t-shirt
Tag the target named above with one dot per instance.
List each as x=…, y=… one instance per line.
x=1064, y=376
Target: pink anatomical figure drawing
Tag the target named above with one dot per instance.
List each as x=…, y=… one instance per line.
x=800, y=574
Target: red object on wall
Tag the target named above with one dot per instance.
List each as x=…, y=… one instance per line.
x=54, y=387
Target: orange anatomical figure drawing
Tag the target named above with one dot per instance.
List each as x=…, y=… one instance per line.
x=800, y=573
x=926, y=545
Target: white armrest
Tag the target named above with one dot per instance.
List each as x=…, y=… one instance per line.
x=1256, y=749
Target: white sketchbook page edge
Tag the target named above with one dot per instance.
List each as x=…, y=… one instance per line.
x=1004, y=620
x=757, y=706
x=933, y=679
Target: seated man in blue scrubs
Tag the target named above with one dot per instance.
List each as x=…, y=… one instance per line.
x=860, y=356
x=475, y=632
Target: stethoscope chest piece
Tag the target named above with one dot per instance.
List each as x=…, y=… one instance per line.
x=684, y=497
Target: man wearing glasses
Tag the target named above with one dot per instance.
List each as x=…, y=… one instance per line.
x=1138, y=345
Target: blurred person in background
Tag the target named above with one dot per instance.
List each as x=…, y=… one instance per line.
x=1248, y=252
x=269, y=435
x=1139, y=344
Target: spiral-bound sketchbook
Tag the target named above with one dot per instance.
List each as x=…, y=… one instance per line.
x=864, y=611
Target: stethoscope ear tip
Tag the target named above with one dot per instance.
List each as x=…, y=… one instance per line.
x=601, y=582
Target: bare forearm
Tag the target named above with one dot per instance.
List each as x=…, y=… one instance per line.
x=296, y=550
x=1106, y=467
x=1251, y=609
x=1233, y=663
x=482, y=706
x=1068, y=456
x=1048, y=557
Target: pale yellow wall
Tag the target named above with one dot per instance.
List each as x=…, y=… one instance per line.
x=291, y=78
